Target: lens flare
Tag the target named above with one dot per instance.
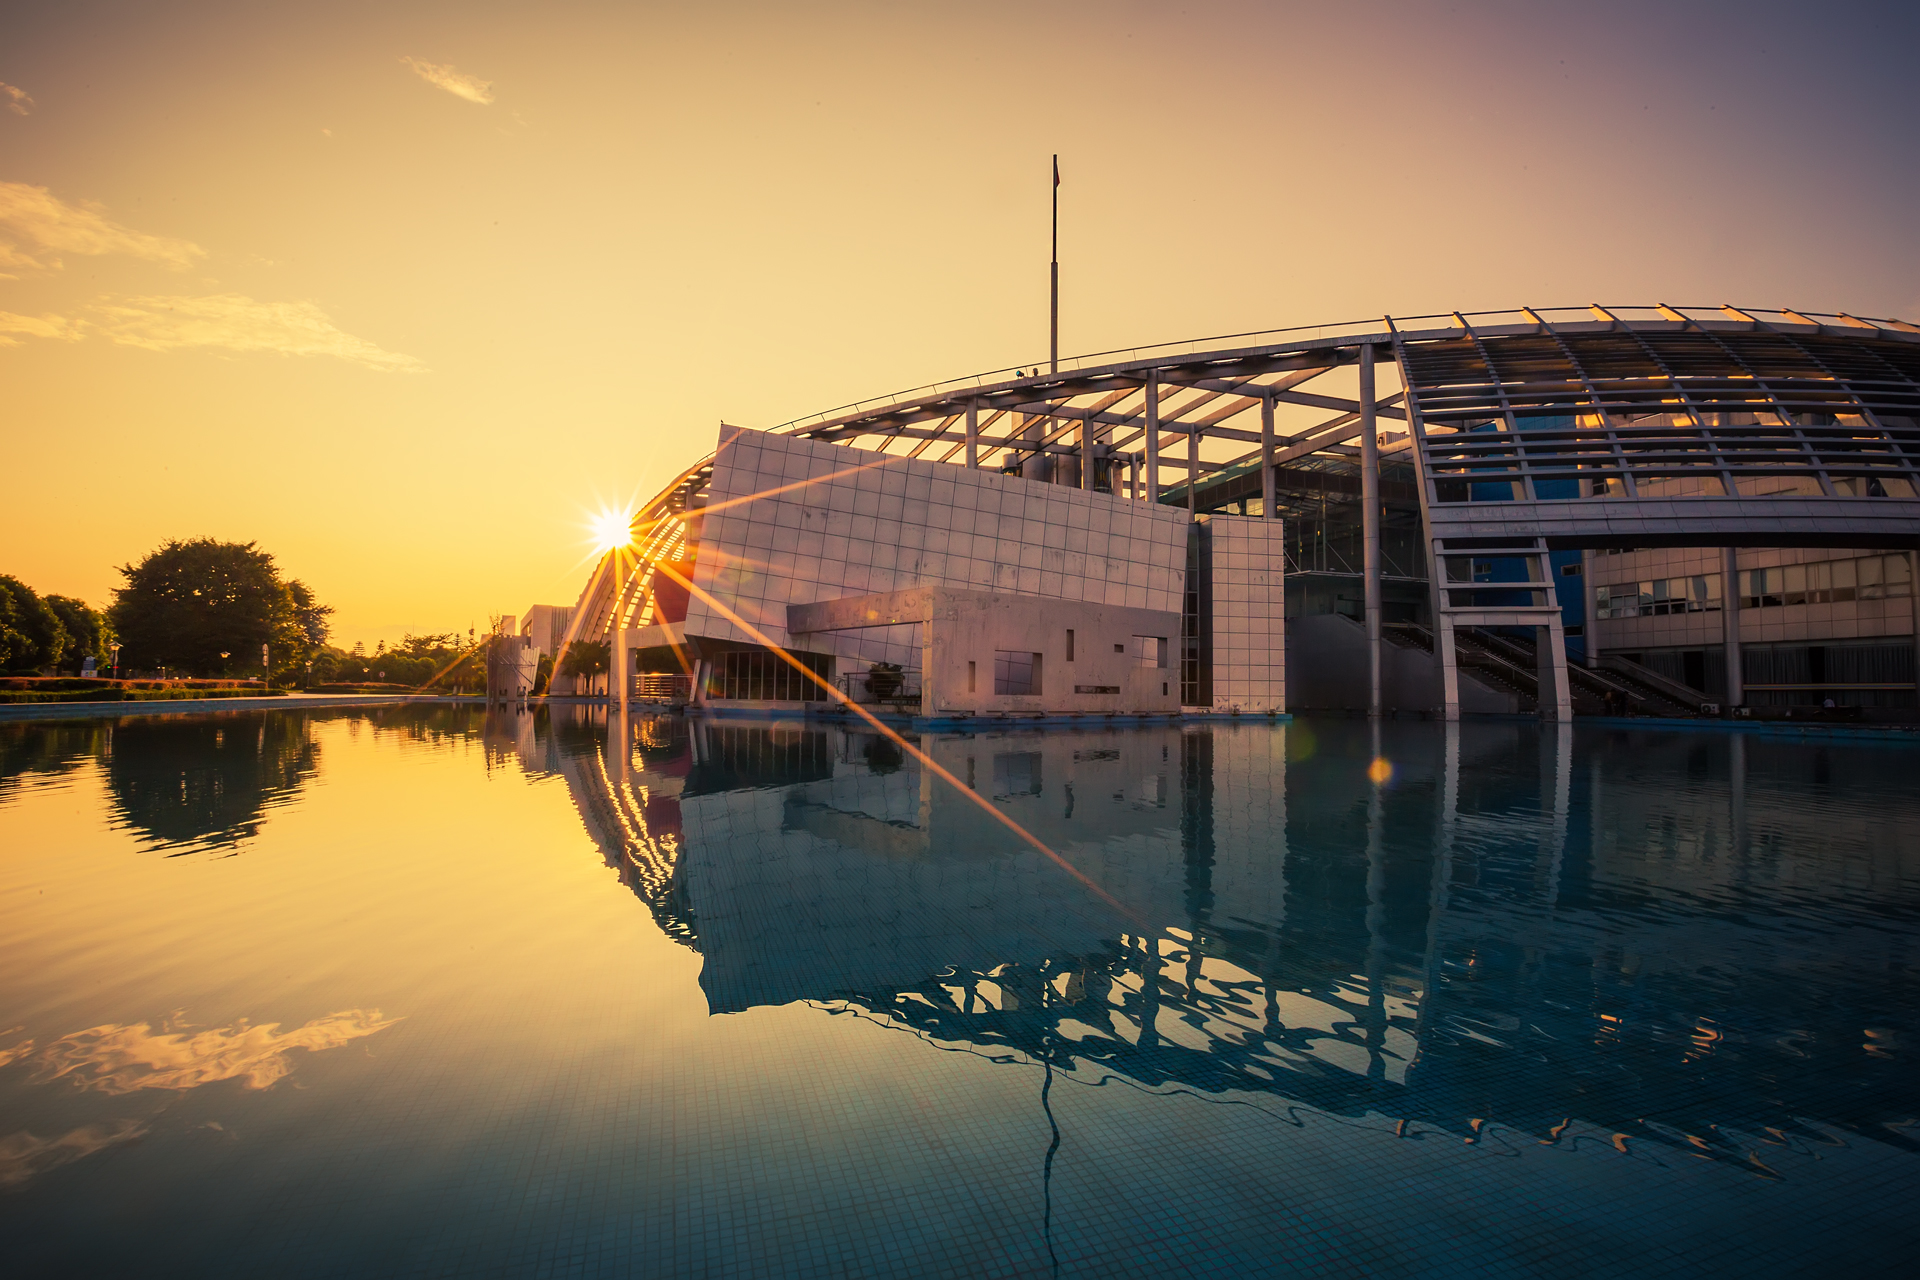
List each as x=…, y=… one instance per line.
x=611, y=529
x=1380, y=772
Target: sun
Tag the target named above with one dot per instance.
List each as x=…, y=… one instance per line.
x=611, y=529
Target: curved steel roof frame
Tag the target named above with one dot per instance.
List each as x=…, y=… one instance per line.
x=1566, y=427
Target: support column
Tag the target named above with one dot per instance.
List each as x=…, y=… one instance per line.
x=1370, y=524
x=1590, y=629
x=1444, y=651
x=1088, y=447
x=616, y=633
x=1551, y=669
x=1913, y=598
x=973, y=435
x=1133, y=477
x=1193, y=472
x=1730, y=619
x=1153, y=435
x=1267, y=499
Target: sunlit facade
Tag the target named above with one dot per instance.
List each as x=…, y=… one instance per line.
x=1295, y=490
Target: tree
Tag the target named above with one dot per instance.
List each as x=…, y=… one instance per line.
x=89, y=634
x=31, y=633
x=188, y=603
x=586, y=658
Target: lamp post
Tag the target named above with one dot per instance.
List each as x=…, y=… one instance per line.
x=113, y=651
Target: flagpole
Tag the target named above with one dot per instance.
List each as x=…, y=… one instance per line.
x=1053, y=347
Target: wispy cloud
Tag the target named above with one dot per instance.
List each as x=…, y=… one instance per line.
x=12, y=323
x=125, y=1058
x=23, y=1157
x=222, y=321
x=16, y=98
x=36, y=226
x=234, y=322
x=457, y=83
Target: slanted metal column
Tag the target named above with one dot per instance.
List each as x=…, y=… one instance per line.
x=1088, y=447
x=1370, y=524
x=973, y=435
x=1730, y=619
x=1267, y=499
x=1153, y=435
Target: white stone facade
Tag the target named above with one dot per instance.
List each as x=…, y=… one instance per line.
x=791, y=521
x=1248, y=606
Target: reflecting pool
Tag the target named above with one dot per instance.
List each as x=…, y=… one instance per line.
x=440, y=991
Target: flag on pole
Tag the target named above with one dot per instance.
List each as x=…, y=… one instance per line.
x=1056, y=171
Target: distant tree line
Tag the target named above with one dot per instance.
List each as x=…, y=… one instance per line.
x=204, y=608
x=197, y=608
x=42, y=633
x=412, y=662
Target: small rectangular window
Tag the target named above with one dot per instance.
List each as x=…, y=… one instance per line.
x=971, y=672
x=1119, y=648
x=1015, y=674
x=1069, y=644
x=1569, y=570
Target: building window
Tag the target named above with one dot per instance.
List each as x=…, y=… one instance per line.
x=1119, y=648
x=1569, y=570
x=1150, y=651
x=1827, y=582
x=1069, y=644
x=1016, y=773
x=1015, y=674
x=971, y=674
x=759, y=676
x=1697, y=594
x=1096, y=688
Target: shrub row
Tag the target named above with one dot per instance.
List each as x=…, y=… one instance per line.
x=160, y=693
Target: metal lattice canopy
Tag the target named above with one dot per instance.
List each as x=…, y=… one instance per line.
x=1588, y=426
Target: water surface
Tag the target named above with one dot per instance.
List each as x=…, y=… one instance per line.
x=437, y=991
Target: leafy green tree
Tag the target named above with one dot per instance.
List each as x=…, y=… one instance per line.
x=186, y=604
x=89, y=634
x=31, y=634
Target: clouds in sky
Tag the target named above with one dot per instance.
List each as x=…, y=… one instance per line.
x=457, y=83
x=16, y=98
x=12, y=323
x=37, y=226
x=234, y=322
x=221, y=322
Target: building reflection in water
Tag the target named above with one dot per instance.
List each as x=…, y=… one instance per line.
x=1690, y=942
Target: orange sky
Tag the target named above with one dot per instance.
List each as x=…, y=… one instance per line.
x=402, y=291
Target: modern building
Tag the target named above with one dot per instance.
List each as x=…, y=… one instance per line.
x=545, y=625
x=1021, y=543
